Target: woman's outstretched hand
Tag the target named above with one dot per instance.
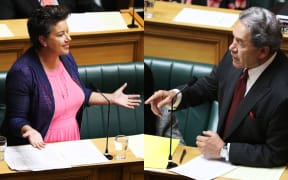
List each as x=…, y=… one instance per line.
x=130, y=101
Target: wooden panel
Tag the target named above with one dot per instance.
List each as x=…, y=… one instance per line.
x=10, y=50
x=102, y=54
x=106, y=173
x=284, y=45
x=188, y=45
x=133, y=172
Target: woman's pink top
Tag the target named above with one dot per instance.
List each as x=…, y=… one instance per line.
x=68, y=97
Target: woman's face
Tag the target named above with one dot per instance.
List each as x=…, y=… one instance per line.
x=58, y=40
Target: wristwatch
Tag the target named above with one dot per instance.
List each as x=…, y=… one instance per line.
x=224, y=152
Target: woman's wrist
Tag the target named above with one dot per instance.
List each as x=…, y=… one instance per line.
x=25, y=128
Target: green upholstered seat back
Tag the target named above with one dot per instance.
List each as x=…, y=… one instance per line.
x=108, y=78
x=170, y=73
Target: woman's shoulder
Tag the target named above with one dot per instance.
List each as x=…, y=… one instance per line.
x=25, y=62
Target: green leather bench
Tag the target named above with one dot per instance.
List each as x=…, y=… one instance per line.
x=168, y=74
x=106, y=78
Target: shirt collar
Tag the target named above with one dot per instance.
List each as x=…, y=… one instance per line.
x=255, y=72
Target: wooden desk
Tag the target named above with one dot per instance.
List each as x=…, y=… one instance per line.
x=129, y=169
x=87, y=48
x=192, y=152
x=165, y=38
x=168, y=39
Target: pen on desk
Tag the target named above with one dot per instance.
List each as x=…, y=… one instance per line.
x=182, y=156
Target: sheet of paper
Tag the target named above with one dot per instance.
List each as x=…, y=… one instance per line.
x=203, y=17
x=53, y=156
x=78, y=153
x=201, y=168
x=5, y=31
x=96, y=21
x=30, y=158
x=136, y=144
x=156, y=151
x=251, y=173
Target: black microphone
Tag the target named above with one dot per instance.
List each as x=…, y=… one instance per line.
x=133, y=25
x=106, y=154
x=171, y=164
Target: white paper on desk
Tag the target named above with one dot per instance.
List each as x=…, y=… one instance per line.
x=251, y=173
x=96, y=21
x=136, y=144
x=204, y=17
x=29, y=158
x=53, y=156
x=78, y=153
x=202, y=168
x=5, y=31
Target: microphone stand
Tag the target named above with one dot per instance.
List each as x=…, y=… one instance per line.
x=106, y=154
x=133, y=25
x=171, y=164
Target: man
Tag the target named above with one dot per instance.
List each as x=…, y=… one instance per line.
x=11, y=9
x=257, y=132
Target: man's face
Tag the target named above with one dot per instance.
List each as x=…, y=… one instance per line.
x=244, y=53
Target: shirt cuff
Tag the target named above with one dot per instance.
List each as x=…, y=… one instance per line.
x=228, y=148
x=177, y=99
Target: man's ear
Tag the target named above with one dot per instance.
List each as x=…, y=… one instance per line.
x=264, y=52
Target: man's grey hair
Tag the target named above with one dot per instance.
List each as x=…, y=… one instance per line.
x=265, y=28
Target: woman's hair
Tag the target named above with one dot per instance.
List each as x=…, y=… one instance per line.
x=42, y=20
x=265, y=28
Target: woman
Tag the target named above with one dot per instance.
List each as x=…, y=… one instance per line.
x=45, y=96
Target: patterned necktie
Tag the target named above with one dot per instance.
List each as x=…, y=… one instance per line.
x=238, y=96
x=48, y=2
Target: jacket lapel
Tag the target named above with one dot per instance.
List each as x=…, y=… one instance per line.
x=254, y=95
x=260, y=88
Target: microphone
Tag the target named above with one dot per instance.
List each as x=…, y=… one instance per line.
x=106, y=154
x=171, y=164
x=133, y=25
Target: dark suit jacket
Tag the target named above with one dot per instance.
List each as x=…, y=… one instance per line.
x=259, y=132
x=10, y=9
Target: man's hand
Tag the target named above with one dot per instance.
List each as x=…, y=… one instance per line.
x=210, y=144
x=160, y=99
